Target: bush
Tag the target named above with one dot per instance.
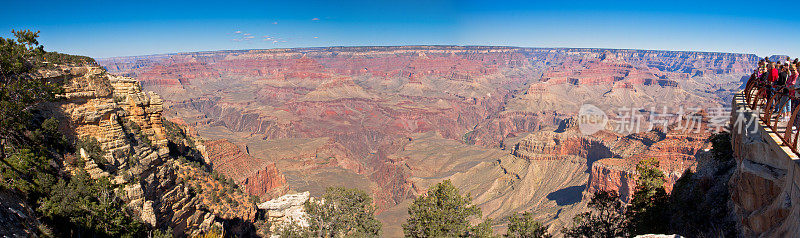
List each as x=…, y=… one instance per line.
x=648, y=212
x=85, y=206
x=605, y=219
x=343, y=212
x=92, y=148
x=524, y=226
x=441, y=212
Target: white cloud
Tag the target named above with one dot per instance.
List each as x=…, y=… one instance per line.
x=315, y=19
x=238, y=32
x=275, y=23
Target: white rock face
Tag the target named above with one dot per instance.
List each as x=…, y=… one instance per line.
x=287, y=209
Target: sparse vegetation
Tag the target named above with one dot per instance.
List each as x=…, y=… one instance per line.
x=53, y=57
x=136, y=132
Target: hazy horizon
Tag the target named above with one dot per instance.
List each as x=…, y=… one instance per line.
x=357, y=46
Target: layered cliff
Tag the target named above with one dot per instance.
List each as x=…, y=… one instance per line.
x=161, y=190
x=256, y=176
x=351, y=115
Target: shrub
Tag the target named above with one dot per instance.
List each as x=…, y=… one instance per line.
x=524, y=226
x=606, y=218
x=92, y=148
x=89, y=207
x=441, y=212
x=648, y=211
x=343, y=212
x=721, y=146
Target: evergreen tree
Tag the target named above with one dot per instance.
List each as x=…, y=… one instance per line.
x=524, y=226
x=441, y=212
x=87, y=207
x=342, y=212
x=648, y=211
x=482, y=230
x=605, y=219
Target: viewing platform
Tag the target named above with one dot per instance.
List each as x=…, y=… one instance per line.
x=765, y=186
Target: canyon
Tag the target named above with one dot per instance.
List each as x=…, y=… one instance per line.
x=500, y=122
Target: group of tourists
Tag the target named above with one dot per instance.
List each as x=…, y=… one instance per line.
x=781, y=77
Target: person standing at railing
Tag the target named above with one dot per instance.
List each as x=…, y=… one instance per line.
x=781, y=90
x=773, y=72
x=772, y=77
x=792, y=85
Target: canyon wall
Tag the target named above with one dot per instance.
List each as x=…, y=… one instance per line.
x=374, y=117
x=765, y=187
x=161, y=190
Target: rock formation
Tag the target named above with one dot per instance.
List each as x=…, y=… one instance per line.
x=161, y=190
x=371, y=117
x=288, y=208
x=257, y=176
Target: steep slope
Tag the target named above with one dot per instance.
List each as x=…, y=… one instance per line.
x=161, y=190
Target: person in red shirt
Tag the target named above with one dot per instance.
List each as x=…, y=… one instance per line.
x=773, y=72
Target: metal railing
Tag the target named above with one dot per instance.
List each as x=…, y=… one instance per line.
x=761, y=97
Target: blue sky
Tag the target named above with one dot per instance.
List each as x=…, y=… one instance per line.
x=124, y=28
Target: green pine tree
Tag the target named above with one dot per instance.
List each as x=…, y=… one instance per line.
x=525, y=226
x=442, y=212
x=648, y=211
x=342, y=212
x=606, y=219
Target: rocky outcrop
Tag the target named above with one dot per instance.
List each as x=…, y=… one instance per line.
x=613, y=175
x=258, y=177
x=265, y=183
x=128, y=124
x=288, y=208
x=552, y=145
x=764, y=186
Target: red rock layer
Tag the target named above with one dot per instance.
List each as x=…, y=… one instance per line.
x=265, y=183
x=257, y=176
x=459, y=92
x=675, y=152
